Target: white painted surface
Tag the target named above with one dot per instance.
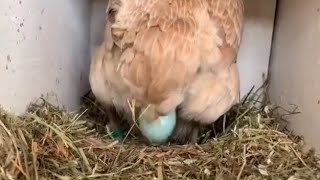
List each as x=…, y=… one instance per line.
x=44, y=48
x=253, y=58
x=98, y=22
x=295, y=67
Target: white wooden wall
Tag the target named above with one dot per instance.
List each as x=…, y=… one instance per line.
x=44, y=49
x=254, y=55
x=295, y=66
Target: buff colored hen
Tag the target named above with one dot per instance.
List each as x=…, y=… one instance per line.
x=170, y=54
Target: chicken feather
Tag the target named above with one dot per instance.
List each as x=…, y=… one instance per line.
x=171, y=53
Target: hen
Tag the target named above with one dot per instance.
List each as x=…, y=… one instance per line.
x=170, y=55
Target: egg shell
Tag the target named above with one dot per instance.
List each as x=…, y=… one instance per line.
x=158, y=131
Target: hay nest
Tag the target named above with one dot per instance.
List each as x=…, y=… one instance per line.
x=48, y=143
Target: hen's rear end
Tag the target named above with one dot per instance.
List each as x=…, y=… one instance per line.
x=169, y=54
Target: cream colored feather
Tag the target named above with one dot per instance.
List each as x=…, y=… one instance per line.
x=171, y=53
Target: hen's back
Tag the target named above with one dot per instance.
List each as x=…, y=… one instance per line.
x=164, y=44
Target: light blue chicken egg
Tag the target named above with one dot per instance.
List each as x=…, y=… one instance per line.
x=158, y=131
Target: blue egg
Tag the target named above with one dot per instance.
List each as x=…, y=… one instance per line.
x=158, y=131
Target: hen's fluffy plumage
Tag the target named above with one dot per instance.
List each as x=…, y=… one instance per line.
x=170, y=53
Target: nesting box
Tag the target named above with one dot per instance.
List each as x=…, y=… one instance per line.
x=45, y=49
